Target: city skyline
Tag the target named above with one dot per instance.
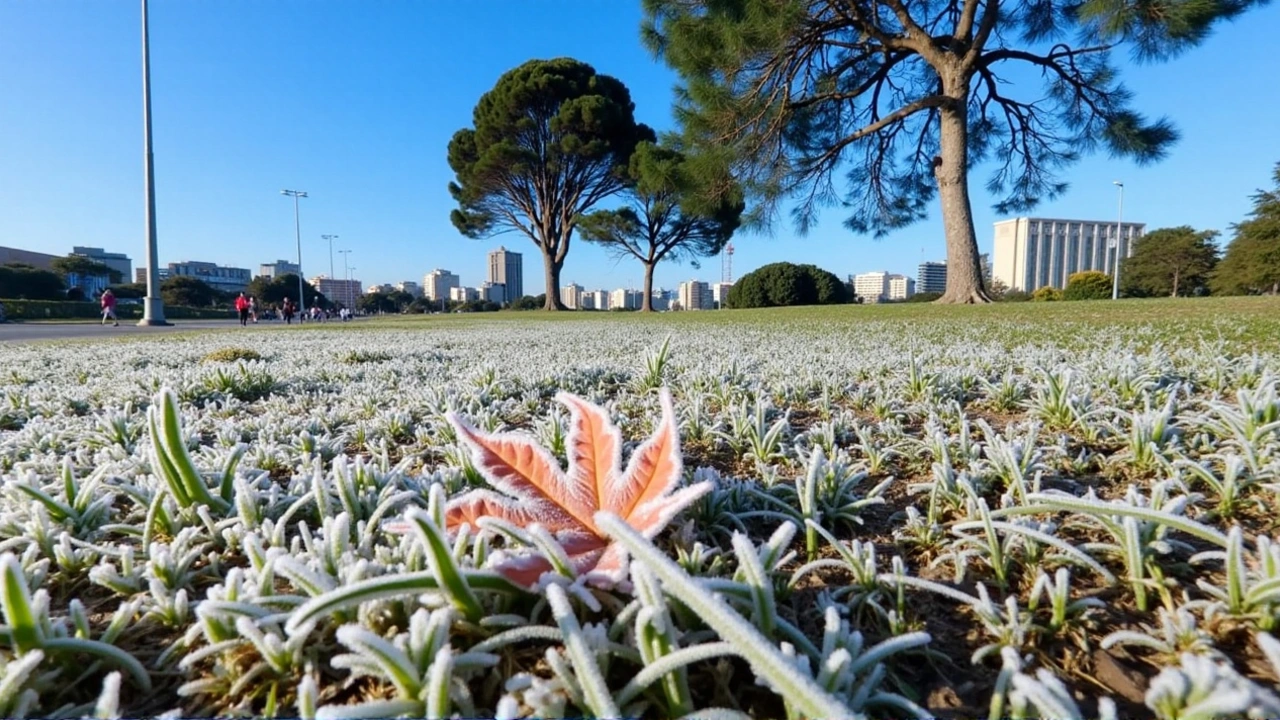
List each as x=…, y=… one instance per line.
x=228, y=136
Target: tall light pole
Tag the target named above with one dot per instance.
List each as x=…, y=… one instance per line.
x=346, y=273
x=297, y=231
x=153, y=305
x=1115, y=277
x=330, y=238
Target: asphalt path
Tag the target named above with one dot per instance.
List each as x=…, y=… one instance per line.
x=40, y=331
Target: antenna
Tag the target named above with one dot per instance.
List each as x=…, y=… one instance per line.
x=726, y=264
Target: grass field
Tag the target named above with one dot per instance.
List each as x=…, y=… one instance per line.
x=1024, y=510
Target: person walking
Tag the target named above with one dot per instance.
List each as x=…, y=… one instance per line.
x=108, y=303
x=253, y=310
x=242, y=307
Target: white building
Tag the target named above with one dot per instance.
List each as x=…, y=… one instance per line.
x=720, y=293
x=872, y=287
x=384, y=289
x=411, y=287
x=463, y=294
x=695, y=295
x=571, y=296
x=226, y=279
x=931, y=277
x=1031, y=253
x=437, y=283
x=626, y=299
x=901, y=287
x=506, y=268
x=278, y=268
x=342, y=292
x=595, y=300
x=116, y=261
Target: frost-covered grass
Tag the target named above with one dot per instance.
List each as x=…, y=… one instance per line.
x=1027, y=510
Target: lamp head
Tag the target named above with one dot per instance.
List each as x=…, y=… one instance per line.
x=1117, y=183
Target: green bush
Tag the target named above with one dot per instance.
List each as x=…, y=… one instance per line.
x=67, y=310
x=1088, y=285
x=1047, y=294
x=924, y=297
x=787, y=284
x=231, y=354
x=1015, y=296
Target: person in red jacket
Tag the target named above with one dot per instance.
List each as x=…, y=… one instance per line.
x=242, y=307
x=108, y=303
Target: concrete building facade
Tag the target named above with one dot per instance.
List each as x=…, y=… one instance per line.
x=872, y=287
x=338, y=290
x=506, y=268
x=571, y=296
x=931, y=277
x=901, y=287
x=437, y=283
x=278, y=268
x=38, y=260
x=225, y=279
x=463, y=294
x=696, y=295
x=410, y=287
x=116, y=261
x=1031, y=253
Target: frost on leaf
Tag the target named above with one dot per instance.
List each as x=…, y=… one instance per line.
x=529, y=488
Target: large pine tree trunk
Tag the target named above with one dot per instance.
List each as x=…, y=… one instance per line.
x=552, y=268
x=951, y=170
x=646, y=303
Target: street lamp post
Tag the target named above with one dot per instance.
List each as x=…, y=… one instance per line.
x=330, y=238
x=1115, y=278
x=346, y=273
x=297, y=231
x=153, y=305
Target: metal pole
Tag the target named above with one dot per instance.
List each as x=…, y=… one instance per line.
x=330, y=238
x=1115, y=278
x=346, y=275
x=297, y=231
x=153, y=305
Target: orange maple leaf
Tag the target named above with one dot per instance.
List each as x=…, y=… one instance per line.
x=534, y=490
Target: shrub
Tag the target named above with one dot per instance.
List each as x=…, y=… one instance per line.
x=1047, y=294
x=231, y=354
x=1088, y=285
x=1015, y=296
x=787, y=284
x=65, y=310
x=924, y=297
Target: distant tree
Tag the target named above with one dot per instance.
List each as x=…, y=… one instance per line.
x=996, y=288
x=1087, y=285
x=187, y=291
x=1251, y=264
x=1170, y=261
x=905, y=98
x=550, y=141
x=665, y=217
x=271, y=291
x=75, y=294
x=786, y=284
x=19, y=281
x=528, y=302
x=130, y=291
x=1016, y=296
x=1047, y=293
x=83, y=266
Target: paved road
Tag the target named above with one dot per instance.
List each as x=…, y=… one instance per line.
x=37, y=331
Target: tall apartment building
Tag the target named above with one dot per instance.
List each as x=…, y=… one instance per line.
x=410, y=287
x=595, y=300
x=660, y=300
x=931, y=277
x=901, y=287
x=436, y=284
x=116, y=261
x=338, y=290
x=506, y=268
x=571, y=296
x=720, y=294
x=226, y=279
x=696, y=295
x=1031, y=253
x=626, y=299
x=872, y=287
x=278, y=268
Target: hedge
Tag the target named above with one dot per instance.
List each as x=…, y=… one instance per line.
x=68, y=310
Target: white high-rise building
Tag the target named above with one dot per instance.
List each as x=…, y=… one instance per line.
x=436, y=284
x=626, y=299
x=872, y=287
x=411, y=287
x=506, y=268
x=720, y=293
x=696, y=295
x=463, y=294
x=571, y=296
x=595, y=300
x=1031, y=253
x=901, y=287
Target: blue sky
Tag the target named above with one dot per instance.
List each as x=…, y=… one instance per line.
x=354, y=101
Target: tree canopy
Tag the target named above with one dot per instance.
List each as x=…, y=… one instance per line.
x=881, y=105
x=548, y=142
x=24, y=282
x=665, y=216
x=270, y=291
x=1170, y=261
x=188, y=291
x=1251, y=264
x=80, y=265
x=786, y=284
